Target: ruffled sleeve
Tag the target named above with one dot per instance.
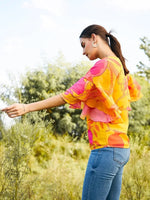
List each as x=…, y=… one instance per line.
x=78, y=93
x=134, y=89
x=93, y=93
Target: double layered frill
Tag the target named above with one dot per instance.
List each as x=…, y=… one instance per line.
x=104, y=95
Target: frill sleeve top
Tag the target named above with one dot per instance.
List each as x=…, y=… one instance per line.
x=104, y=95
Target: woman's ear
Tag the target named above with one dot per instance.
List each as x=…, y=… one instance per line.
x=94, y=37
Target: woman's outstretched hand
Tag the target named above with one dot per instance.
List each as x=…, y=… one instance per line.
x=19, y=109
x=15, y=110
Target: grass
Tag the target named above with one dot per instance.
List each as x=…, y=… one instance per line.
x=61, y=175
x=36, y=165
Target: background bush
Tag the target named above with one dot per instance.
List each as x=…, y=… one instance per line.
x=39, y=165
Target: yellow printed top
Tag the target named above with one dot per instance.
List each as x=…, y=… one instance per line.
x=104, y=95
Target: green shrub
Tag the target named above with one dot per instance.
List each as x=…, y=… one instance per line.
x=35, y=164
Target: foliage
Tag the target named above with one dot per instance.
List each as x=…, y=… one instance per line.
x=39, y=165
x=136, y=182
x=143, y=69
x=14, y=162
x=30, y=164
x=46, y=82
x=139, y=116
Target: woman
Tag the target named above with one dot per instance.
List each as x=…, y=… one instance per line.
x=104, y=95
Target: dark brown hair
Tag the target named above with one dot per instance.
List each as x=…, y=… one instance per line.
x=114, y=43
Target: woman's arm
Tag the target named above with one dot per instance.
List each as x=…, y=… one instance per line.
x=18, y=109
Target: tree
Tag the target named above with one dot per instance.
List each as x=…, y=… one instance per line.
x=48, y=81
x=140, y=115
x=144, y=69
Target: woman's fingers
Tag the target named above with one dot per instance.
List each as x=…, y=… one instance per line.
x=15, y=110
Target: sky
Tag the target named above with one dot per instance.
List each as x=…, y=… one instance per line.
x=33, y=32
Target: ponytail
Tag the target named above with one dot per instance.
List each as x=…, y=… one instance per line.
x=116, y=48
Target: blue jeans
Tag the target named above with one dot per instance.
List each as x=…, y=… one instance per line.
x=103, y=176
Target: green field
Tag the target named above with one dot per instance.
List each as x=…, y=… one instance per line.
x=36, y=165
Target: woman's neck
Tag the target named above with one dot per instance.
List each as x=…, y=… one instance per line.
x=104, y=50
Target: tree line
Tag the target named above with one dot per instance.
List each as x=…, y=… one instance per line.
x=57, y=77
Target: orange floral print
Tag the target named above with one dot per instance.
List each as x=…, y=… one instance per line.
x=104, y=95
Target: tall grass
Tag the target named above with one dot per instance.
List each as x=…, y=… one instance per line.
x=37, y=165
x=136, y=178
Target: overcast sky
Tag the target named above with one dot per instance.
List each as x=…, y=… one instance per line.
x=34, y=31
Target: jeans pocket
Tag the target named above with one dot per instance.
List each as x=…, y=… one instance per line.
x=121, y=155
x=95, y=159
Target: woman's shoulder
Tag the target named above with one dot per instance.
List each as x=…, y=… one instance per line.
x=98, y=68
x=101, y=63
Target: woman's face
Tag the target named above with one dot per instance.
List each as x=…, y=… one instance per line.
x=88, y=49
